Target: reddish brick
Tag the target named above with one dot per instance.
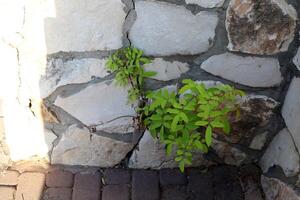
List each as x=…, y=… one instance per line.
x=30, y=186
x=87, y=187
x=116, y=192
x=9, y=178
x=116, y=176
x=58, y=194
x=7, y=193
x=59, y=178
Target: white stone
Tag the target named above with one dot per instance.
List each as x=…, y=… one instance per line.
x=206, y=3
x=250, y=71
x=152, y=154
x=79, y=147
x=296, y=59
x=85, y=26
x=282, y=152
x=291, y=110
x=259, y=141
x=166, y=70
x=167, y=29
x=59, y=73
x=99, y=104
x=50, y=137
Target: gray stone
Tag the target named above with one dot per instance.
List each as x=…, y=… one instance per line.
x=166, y=70
x=259, y=141
x=275, y=189
x=260, y=27
x=167, y=29
x=80, y=147
x=85, y=26
x=103, y=104
x=296, y=59
x=206, y=3
x=59, y=73
x=291, y=110
x=282, y=152
x=152, y=154
x=250, y=71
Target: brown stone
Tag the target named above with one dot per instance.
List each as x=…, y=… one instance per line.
x=58, y=194
x=59, y=178
x=260, y=27
x=30, y=186
x=7, y=193
x=9, y=178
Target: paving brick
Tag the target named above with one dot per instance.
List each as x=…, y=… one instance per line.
x=30, y=186
x=59, y=178
x=173, y=192
x=116, y=176
x=172, y=177
x=7, y=193
x=87, y=187
x=226, y=184
x=200, y=185
x=9, y=178
x=145, y=185
x=116, y=192
x=58, y=194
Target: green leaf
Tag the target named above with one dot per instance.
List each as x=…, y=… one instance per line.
x=181, y=165
x=208, y=135
x=226, y=127
x=175, y=122
x=169, y=149
x=201, y=123
x=217, y=124
x=149, y=74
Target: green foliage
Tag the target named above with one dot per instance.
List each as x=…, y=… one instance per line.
x=128, y=63
x=186, y=121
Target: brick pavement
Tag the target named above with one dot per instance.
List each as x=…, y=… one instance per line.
x=217, y=183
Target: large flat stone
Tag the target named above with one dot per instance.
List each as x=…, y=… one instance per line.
x=296, y=59
x=85, y=26
x=167, y=29
x=206, y=3
x=7, y=193
x=260, y=27
x=100, y=103
x=250, y=71
x=275, y=189
x=59, y=73
x=282, y=152
x=166, y=70
x=291, y=110
x=79, y=147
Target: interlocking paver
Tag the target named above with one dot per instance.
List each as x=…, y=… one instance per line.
x=7, y=193
x=145, y=185
x=172, y=192
x=116, y=176
x=172, y=177
x=59, y=178
x=9, y=178
x=116, y=192
x=87, y=187
x=58, y=194
x=200, y=185
x=30, y=186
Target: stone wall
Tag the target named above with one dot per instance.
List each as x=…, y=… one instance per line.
x=59, y=104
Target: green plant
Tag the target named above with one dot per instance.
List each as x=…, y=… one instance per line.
x=128, y=63
x=188, y=119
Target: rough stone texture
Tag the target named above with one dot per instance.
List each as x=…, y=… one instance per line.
x=206, y=3
x=79, y=147
x=87, y=187
x=275, y=189
x=260, y=27
x=59, y=73
x=259, y=141
x=291, y=110
x=85, y=26
x=282, y=152
x=30, y=186
x=116, y=176
x=250, y=71
x=296, y=59
x=229, y=154
x=102, y=103
x=152, y=154
x=166, y=70
x=7, y=193
x=58, y=194
x=144, y=183
x=58, y=178
x=9, y=178
x=166, y=29
x=116, y=192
